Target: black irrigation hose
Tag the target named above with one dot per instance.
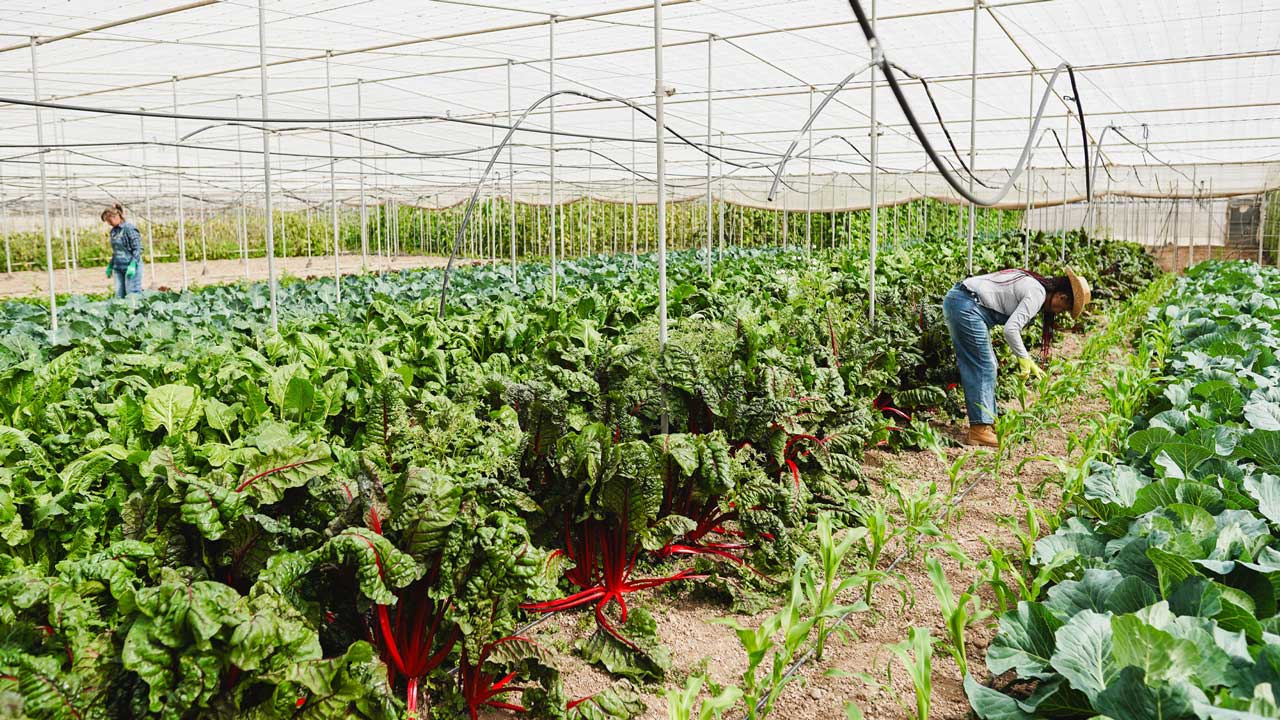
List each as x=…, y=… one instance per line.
x=937, y=113
x=1084, y=132
x=878, y=57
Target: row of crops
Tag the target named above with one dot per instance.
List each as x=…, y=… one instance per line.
x=1164, y=572
x=353, y=517
x=584, y=228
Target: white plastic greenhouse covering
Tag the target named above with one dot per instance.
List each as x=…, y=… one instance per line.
x=1189, y=89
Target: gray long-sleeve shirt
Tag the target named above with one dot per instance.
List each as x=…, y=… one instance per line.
x=1020, y=299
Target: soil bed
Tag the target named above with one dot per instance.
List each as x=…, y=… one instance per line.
x=698, y=644
x=92, y=280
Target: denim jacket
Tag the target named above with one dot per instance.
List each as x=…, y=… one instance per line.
x=126, y=245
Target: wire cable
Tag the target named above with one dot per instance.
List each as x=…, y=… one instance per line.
x=878, y=57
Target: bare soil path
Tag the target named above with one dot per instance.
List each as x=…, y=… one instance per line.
x=35, y=283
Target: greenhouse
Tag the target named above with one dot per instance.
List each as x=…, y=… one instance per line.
x=691, y=359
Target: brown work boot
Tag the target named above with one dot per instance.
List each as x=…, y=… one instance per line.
x=983, y=435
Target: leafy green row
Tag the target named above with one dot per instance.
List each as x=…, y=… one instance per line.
x=204, y=518
x=1167, y=571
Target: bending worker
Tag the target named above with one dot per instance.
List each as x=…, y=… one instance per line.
x=1011, y=298
x=126, y=252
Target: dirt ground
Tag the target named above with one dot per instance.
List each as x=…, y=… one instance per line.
x=35, y=283
x=857, y=669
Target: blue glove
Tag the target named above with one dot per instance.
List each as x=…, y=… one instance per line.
x=108, y=269
x=131, y=270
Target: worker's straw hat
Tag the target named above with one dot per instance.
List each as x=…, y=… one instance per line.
x=1081, y=294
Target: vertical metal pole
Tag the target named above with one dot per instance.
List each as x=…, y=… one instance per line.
x=876, y=56
x=244, y=222
x=710, y=41
x=64, y=230
x=511, y=181
x=333, y=180
x=146, y=198
x=551, y=148
x=177, y=150
x=722, y=196
x=808, y=188
x=44, y=192
x=586, y=205
x=1191, y=222
x=635, y=204
x=266, y=162
x=204, y=244
x=8, y=257
x=1262, y=223
x=973, y=127
x=660, y=135
x=364, y=208
x=1062, y=248
x=1208, y=207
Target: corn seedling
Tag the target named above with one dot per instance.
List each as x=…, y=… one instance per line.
x=683, y=704
x=822, y=584
x=919, y=511
x=793, y=624
x=958, y=612
x=916, y=655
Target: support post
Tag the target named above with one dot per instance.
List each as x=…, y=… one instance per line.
x=808, y=188
x=875, y=180
x=333, y=181
x=1262, y=223
x=551, y=147
x=44, y=192
x=720, y=225
x=511, y=181
x=635, y=205
x=177, y=150
x=710, y=41
x=146, y=198
x=266, y=162
x=8, y=257
x=364, y=207
x=243, y=227
x=1062, y=248
x=973, y=127
x=660, y=136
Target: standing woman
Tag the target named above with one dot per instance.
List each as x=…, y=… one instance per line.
x=1011, y=298
x=126, y=252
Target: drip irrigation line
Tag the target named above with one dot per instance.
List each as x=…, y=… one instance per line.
x=323, y=121
x=937, y=113
x=1150, y=154
x=878, y=57
x=811, y=653
x=1058, y=139
x=480, y=183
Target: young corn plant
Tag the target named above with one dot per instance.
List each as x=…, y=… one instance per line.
x=773, y=646
x=916, y=655
x=958, y=612
x=919, y=511
x=823, y=585
x=683, y=703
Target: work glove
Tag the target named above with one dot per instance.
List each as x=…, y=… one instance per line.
x=1028, y=368
x=108, y=269
x=132, y=270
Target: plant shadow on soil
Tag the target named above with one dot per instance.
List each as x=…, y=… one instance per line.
x=698, y=644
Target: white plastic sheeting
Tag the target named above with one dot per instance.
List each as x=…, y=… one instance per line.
x=1190, y=84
